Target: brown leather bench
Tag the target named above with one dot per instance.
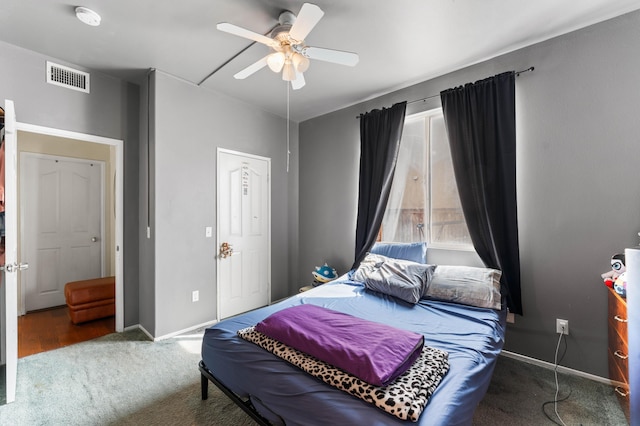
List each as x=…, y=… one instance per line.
x=91, y=299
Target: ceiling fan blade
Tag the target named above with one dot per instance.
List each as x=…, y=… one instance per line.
x=256, y=66
x=308, y=17
x=242, y=32
x=299, y=82
x=330, y=55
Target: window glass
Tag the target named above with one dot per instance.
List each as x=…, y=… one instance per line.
x=424, y=204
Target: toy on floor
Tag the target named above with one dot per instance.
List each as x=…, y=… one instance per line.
x=323, y=274
x=616, y=278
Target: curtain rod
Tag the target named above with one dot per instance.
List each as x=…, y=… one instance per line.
x=517, y=73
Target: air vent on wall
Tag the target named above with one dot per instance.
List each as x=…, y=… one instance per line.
x=67, y=77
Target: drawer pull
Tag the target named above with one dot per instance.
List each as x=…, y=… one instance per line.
x=620, y=319
x=621, y=391
x=621, y=355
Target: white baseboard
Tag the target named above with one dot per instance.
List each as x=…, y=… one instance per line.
x=186, y=330
x=133, y=327
x=170, y=335
x=138, y=326
x=561, y=369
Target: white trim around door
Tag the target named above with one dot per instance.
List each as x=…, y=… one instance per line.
x=118, y=144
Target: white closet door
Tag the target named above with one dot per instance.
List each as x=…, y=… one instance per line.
x=62, y=222
x=244, y=276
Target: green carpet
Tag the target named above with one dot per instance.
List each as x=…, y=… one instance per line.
x=125, y=379
x=119, y=379
x=518, y=390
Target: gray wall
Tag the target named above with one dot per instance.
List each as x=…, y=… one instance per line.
x=186, y=126
x=146, y=311
x=190, y=123
x=579, y=201
x=110, y=110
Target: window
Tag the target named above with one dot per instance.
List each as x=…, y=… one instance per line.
x=424, y=204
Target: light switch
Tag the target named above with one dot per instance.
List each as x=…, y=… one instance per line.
x=208, y=231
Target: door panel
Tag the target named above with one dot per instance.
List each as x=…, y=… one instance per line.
x=12, y=265
x=243, y=221
x=62, y=225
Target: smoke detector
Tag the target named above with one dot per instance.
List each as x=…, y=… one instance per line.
x=88, y=16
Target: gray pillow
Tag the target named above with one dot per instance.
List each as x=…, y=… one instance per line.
x=466, y=285
x=403, y=279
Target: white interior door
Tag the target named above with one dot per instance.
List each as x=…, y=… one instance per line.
x=12, y=263
x=244, y=199
x=62, y=225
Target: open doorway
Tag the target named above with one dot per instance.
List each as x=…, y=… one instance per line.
x=49, y=328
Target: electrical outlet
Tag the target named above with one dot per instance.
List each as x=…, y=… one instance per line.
x=195, y=296
x=562, y=326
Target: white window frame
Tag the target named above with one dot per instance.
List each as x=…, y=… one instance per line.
x=429, y=186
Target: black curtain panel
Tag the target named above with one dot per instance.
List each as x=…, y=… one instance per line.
x=380, y=134
x=480, y=122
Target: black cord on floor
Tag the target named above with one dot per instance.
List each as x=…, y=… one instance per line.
x=556, y=399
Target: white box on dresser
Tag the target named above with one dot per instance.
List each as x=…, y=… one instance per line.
x=632, y=263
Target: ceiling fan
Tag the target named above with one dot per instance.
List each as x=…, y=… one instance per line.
x=289, y=53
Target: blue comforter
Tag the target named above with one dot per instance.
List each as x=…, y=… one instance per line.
x=473, y=337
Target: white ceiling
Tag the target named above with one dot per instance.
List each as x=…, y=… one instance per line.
x=400, y=42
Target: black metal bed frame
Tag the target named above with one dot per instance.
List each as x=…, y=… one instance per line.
x=206, y=376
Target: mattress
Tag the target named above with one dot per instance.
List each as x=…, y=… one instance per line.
x=473, y=338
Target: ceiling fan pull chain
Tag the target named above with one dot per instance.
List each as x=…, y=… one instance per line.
x=288, y=125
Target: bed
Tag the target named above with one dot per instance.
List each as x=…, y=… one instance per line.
x=276, y=392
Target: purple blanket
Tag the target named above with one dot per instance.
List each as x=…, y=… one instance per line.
x=373, y=352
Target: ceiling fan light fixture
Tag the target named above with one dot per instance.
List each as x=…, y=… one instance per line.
x=288, y=52
x=276, y=61
x=300, y=62
x=88, y=16
x=288, y=72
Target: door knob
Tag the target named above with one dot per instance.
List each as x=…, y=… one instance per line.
x=15, y=267
x=94, y=239
x=225, y=250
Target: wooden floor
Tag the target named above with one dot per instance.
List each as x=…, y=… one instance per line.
x=49, y=329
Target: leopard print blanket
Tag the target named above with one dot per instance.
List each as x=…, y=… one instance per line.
x=405, y=398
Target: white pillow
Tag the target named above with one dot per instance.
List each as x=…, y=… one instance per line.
x=466, y=285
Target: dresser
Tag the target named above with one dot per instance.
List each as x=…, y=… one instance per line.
x=618, y=348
